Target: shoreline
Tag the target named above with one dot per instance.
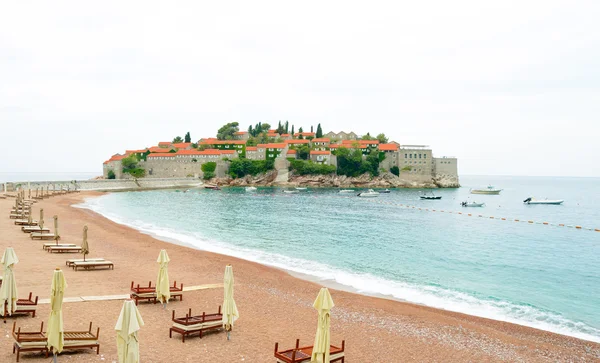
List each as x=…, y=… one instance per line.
x=370, y=325
x=333, y=284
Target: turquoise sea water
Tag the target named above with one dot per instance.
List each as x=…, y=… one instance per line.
x=544, y=276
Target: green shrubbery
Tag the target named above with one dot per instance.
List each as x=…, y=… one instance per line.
x=111, y=174
x=130, y=167
x=395, y=170
x=351, y=163
x=208, y=175
x=302, y=167
x=241, y=167
x=208, y=170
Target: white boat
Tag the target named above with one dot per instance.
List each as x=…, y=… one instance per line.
x=347, y=191
x=301, y=188
x=250, y=189
x=368, y=194
x=490, y=190
x=291, y=191
x=543, y=201
x=472, y=204
x=430, y=196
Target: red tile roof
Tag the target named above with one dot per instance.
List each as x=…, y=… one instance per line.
x=222, y=142
x=388, y=147
x=297, y=141
x=286, y=135
x=273, y=146
x=115, y=157
x=211, y=152
x=272, y=130
x=227, y=151
x=317, y=152
x=322, y=139
x=156, y=149
x=291, y=152
x=335, y=146
x=251, y=148
x=273, y=134
x=240, y=133
x=182, y=145
x=141, y=151
x=305, y=134
x=155, y=155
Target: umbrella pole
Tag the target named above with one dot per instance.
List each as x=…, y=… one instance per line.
x=54, y=358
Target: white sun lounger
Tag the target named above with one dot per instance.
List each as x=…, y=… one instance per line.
x=72, y=261
x=63, y=249
x=90, y=265
x=29, y=229
x=46, y=245
x=35, y=235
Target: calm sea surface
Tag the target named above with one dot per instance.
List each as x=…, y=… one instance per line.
x=544, y=276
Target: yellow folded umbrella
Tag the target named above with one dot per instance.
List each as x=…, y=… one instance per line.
x=41, y=221
x=163, y=288
x=129, y=323
x=323, y=305
x=85, y=249
x=230, y=311
x=56, y=235
x=8, y=290
x=55, y=332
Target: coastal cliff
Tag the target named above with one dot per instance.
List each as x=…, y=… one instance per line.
x=386, y=180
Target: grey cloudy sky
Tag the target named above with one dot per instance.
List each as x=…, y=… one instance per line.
x=509, y=87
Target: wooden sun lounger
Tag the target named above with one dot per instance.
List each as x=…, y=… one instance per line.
x=24, y=307
x=46, y=245
x=190, y=324
x=29, y=341
x=303, y=354
x=82, y=339
x=25, y=222
x=63, y=249
x=19, y=216
x=92, y=265
x=149, y=292
x=29, y=229
x=35, y=235
x=72, y=261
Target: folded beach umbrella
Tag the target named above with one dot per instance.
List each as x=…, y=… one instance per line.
x=55, y=331
x=56, y=235
x=85, y=249
x=230, y=311
x=41, y=222
x=8, y=290
x=129, y=323
x=30, y=218
x=323, y=305
x=163, y=289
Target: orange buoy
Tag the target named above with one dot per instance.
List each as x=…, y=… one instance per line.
x=546, y=223
x=469, y=214
x=459, y=212
x=516, y=220
x=578, y=227
x=503, y=219
x=561, y=225
x=491, y=217
x=597, y=230
x=530, y=221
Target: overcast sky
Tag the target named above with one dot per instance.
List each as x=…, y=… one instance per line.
x=509, y=87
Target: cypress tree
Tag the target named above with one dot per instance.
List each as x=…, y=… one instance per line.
x=319, y=131
x=286, y=127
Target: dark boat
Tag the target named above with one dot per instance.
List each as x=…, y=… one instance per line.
x=430, y=197
x=385, y=191
x=213, y=187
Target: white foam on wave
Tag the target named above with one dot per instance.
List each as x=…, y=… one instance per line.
x=367, y=283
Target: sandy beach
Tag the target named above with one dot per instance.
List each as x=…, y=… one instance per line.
x=274, y=306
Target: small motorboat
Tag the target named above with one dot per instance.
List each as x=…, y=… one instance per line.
x=531, y=200
x=250, y=189
x=291, y=191
x=368, y=194
x=430, y=196
x=213, y=187
x=385, y=191
x=344, y=191
x=472, y=204
x=301, y=188
x=490, y=190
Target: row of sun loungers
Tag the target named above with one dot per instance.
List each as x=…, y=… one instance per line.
x=303, y=354
x=148, y=293
x=37, y=341
x=29, y=229
x=190, y=324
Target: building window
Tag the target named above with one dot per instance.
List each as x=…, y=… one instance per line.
x=424, y=156
x=411, y=156
x=419, y=156
x=406, y=156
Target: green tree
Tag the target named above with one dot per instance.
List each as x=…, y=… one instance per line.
x=303, y=152
x=311, y=128
x=280, y=129
x=319, y=131
x=292, y=130
x=382, y=139
x=265, y=127
x=111, y=174
x=210, y=166
x=188, y=137
x=226, y=131
x=250, y=131
x=395, y=170
x=300, y=131
x=367, y=137
x=286, y=127
x=177, y=140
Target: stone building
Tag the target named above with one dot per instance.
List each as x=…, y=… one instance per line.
x=341, y=135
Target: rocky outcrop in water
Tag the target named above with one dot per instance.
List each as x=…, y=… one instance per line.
x=386, y=180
